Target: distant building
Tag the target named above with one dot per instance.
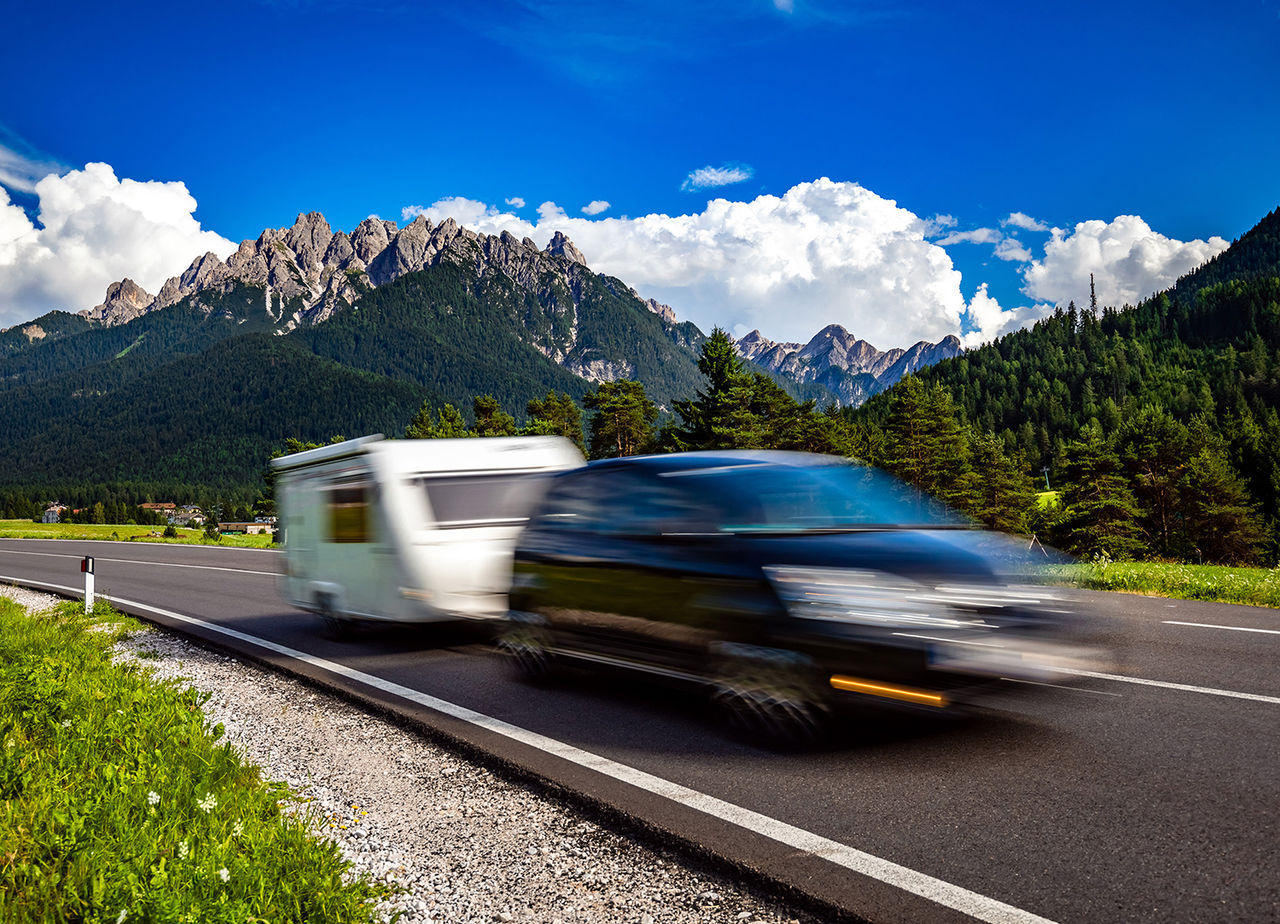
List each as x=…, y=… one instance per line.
x=164, y=507
x=53, y=513
x=248, y=529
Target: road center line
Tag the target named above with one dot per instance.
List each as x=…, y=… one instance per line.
x=135, y=561
x=1209, y=625
x=943, y=893
x=1256, y=697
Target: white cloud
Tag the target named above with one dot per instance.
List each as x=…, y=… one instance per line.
x=595, y=207
x=784, y=6
x=410, y=212
x=515, y=202
x=976, y=236
x=95, y=229
x=1024, y=221
x=711, y=177
x=1012, y=249
x=824, y=252
x=21, y=169
x=988, y=320
x=1128, y=260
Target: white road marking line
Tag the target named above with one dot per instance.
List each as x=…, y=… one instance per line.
x=135, y=561
x=1209, y=625
x=1256, y=697
x=943, y=893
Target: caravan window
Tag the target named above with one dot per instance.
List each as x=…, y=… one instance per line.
x=460, y=501
x=349, y=514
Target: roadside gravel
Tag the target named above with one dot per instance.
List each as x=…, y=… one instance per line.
x=464, y=844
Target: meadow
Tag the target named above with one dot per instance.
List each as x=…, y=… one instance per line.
x=120, y=802
x=1217, y=583
x=25, y=529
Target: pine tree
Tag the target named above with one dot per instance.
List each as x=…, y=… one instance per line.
x=555, y=415
x=491, y=419
x=623, y=419
x=1099, y=513
x=1221, y=523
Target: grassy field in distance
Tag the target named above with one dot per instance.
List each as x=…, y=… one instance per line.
x=25, y=529
x=1216, y=583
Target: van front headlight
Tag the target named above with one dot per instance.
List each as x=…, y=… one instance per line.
x=870, y=598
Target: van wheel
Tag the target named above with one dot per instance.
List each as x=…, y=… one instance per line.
x=527, y=647
x=768, y=697
x=337, y=627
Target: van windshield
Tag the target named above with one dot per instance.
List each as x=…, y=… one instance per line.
x=462, y=501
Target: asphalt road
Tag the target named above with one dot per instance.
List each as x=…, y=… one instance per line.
x=1103, y=799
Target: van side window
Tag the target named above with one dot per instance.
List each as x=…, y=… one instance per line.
x=572, y=506
x=349, y=515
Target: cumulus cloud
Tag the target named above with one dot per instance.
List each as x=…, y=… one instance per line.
x=824, y=252
x=515, y=202
x=711, y=177
x=1024, y=221
x=985, y=319
x=595, y=207
x=1128, y=260
x=976, y=236
x=1012, y=249
x=95, y=229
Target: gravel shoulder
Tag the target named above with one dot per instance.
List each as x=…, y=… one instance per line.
x=464, y=844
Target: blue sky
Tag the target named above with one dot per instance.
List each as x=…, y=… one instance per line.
x=988, y=125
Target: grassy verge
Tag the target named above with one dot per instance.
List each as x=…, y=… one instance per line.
x=1252, y=586
x=25, y=529
x=119, y=803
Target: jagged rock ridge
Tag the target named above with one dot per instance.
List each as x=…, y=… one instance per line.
x=850, y=368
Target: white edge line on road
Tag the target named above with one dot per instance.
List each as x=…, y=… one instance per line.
x=943, y=893
x=1256, y=697
x=1209, y=625
x=135, y=561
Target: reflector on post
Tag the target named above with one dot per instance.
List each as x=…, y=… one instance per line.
x=86, y=565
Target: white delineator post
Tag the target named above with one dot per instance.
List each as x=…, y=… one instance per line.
x=87, y=567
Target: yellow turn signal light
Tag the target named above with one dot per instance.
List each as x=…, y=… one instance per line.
x=906, y=694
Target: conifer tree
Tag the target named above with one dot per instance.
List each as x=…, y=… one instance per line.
x=1099, y=513
x=1221, y=524
x=555, y=415
x=491, y=419
x=623, y=419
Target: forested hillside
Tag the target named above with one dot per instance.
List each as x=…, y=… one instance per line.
x=1192, y=370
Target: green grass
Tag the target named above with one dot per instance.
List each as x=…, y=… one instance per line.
x=25, y=529
x=1252, y=586
x=118, y=801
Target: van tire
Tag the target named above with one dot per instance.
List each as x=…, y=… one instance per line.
x=527, y=647
x=768, y=697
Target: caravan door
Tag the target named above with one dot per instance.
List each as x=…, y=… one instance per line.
x=358, y=571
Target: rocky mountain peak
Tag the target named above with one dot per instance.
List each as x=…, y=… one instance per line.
x=561, y=246
x=124, y=301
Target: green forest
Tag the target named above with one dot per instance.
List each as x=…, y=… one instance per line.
x=1148, y=431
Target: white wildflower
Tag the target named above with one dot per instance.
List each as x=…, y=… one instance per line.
x=224, y=874
x=238, y=828
x=124, y=913
x=183, y=849
x=208, y=803
x=153, y=798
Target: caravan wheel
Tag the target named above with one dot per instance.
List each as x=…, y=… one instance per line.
x=336, y=626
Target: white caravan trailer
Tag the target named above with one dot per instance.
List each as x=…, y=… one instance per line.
x=409, y=530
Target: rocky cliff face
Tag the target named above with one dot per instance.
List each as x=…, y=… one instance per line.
x=309, y=271
x=850, y=368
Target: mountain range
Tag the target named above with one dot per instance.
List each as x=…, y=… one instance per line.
x=306, y=332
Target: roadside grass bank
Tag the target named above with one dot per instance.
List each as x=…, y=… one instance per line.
x=25, y=529
x=119, y=802
x=1215, y=583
